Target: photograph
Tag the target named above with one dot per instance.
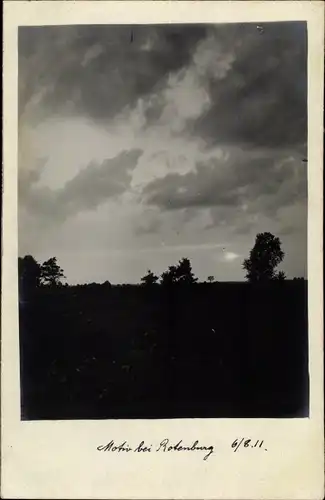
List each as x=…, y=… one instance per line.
x=162, y=221
x=162, y=328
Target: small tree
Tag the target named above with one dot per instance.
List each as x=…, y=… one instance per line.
x=280, y=276
x=182, y=273
x=51, y=273
x=210, y=279
x=149, y=279
x=265, y=256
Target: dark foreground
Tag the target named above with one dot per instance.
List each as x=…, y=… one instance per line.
x=207, y=350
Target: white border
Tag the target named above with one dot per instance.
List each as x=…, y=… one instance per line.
x=59, y=459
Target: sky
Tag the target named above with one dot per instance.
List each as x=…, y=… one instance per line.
x=140, y=145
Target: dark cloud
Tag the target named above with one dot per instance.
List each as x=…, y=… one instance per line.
x=97, y=70
x=232, y=183
x=89, y=188
x=263, y=98
x=96, y=183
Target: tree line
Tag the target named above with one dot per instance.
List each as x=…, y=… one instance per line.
x=33, y=275
x=260, y=266
x=181, y=273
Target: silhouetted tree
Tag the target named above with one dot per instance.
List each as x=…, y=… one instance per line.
x=264, y=257
x=210, y=279
x=169, y=277
x=280, y=276
x=149, y=279
x=29, y=273
x=184, y=272
x=51, y=273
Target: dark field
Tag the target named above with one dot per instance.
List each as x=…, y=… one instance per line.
x=204, y=350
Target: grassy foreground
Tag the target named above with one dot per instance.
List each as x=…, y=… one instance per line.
x=204, y=350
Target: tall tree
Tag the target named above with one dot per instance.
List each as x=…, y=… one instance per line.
x=264, y=257
x=184, y=272
x=51, y=273
x=29, y=273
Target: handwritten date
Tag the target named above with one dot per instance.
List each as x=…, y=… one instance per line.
x=240, y=443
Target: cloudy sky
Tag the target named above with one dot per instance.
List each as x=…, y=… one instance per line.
x=139, y=145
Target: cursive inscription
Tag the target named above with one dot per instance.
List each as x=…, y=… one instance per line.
x=111, y=446
x=164, y=446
